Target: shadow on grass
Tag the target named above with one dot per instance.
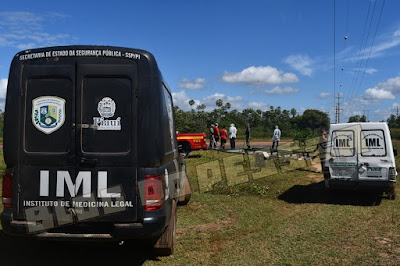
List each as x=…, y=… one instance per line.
x=317, y=193
x=194, y=156
x=20, y=251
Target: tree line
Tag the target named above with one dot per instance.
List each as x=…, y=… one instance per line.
x=262, y=123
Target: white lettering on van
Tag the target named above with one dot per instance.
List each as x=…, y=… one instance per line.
x=63, y=177
x=83, y=179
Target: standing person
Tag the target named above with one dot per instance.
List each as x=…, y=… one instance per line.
x=216, y=135
x=248, y=136
x=276, y=137
x=223, y=137
x=211, y=136
x=322, y=148
x=232, y=136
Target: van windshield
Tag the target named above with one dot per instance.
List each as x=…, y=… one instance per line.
x=342, y=143
x=373, y=143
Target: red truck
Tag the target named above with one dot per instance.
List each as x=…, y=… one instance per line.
x=191, y=141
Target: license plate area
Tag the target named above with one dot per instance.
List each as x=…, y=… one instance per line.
x=374, y=172
x=343, y=172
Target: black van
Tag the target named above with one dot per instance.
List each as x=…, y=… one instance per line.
x=90, y=147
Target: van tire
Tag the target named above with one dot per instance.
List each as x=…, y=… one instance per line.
x=165, y=245
x=187, y=193
x=186, y=149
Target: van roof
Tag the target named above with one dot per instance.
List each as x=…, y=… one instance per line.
x=364, y=125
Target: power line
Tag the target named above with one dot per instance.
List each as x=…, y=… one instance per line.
x=359, y=51
x=372, y=45
x=334, y=54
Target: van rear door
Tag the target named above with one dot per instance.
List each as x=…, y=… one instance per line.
x=106, y=135
x=374, y=159
x=78, y=139
x=343, y=161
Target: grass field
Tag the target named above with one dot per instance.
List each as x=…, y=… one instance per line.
x=283, y=218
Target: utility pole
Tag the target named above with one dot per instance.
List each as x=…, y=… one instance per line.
x=397, y=111
x=366, y=116
x=337, y=111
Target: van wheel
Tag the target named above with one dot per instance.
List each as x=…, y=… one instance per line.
x=166, y=243
x=186, y=193
x=185, y=150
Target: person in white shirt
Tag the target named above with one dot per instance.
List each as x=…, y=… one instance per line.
x=232, y=135
x=276, y=137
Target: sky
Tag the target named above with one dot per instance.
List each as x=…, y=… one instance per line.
x=252, y=54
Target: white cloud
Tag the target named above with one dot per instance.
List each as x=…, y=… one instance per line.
x=182, y=101
x=381, y=47
x=370, y=71
x=3, y=88
x=378, y=94
x=192, y=84
x=280, y=90
x=259, y=76
x=26, y=30
x=324, y=95
x=384, y=90
x=258, y=105
x=236, y=102
x=301, y=63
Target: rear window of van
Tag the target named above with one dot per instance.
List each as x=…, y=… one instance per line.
x=342, y=143
x=373, y=143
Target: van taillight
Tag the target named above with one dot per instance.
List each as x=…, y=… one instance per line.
x=392, y=174
x=7, y=190
x=153, y=192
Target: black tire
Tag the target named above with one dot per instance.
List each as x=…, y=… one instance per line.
x=185, y=149
x=166, y=243
x=186, y=193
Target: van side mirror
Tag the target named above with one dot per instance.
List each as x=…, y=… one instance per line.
x=395, y=152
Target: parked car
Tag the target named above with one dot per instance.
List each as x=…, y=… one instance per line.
x=361, y=156
x=90, y=147
x=191, y=141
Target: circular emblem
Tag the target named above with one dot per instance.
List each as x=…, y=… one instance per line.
x=106, y=107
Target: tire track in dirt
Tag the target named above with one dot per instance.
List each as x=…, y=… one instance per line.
x=210, y=227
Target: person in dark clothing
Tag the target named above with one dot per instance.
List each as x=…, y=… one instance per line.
x=248, y=136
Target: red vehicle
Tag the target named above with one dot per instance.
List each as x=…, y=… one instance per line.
x=191, y=141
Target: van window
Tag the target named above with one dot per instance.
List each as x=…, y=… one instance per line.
x=107, y=104
x=168, y=103
x=342, y=143
x=373, y=143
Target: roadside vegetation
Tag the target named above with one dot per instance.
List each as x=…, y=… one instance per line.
x=262, y=123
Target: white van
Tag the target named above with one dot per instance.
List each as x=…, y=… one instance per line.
x=360, y=156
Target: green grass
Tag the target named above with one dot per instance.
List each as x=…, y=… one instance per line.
x=295, y=222
x=283, y=218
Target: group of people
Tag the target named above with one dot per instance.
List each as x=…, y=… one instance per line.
x=216, y=134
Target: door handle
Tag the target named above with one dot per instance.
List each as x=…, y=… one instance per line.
x=88, y=162
x=86, y=126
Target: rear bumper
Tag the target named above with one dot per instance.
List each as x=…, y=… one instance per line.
x=369, y=185
x=152, y=227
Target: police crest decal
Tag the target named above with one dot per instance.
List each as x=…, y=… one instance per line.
x=48, y=113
